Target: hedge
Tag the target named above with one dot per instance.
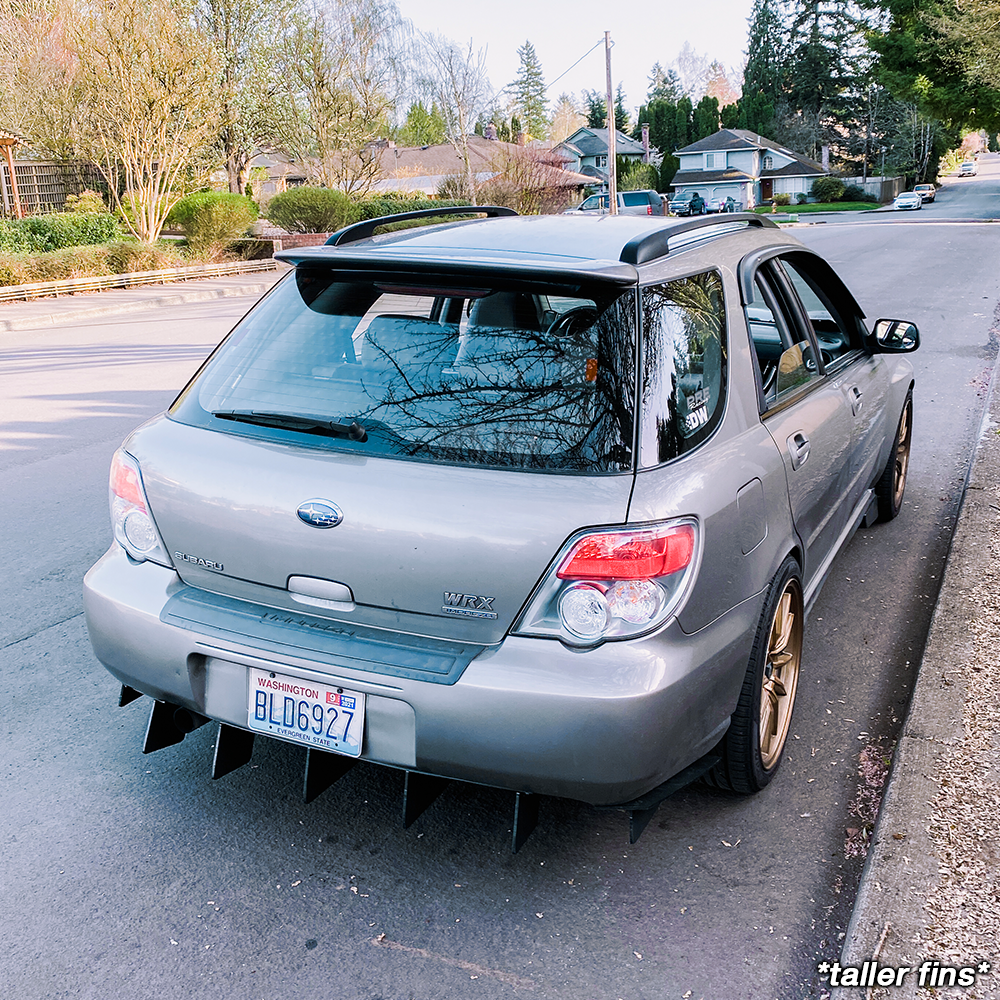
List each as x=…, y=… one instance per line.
x=57, y=231
x=118, y=257
x=320, y=210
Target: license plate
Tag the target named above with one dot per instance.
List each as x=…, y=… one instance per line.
x=317, y=715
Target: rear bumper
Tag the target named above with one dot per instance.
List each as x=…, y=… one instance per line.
x=603, y=726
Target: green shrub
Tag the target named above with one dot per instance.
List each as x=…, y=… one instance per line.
x=85, y=201
x=212, y=219
x=638, y=176
x=784, y=198
x=802, y=198
x=41, y=233
x=826, y=189
x=311, y=210
x=374, y=207
x=125, y=256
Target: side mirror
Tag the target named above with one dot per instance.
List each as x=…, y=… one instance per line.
x=896, y=336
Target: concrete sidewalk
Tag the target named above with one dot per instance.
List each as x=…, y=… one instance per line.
x=40, y=313
x=930, y=891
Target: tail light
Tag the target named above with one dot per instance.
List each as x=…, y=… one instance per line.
x=614, y=584
x=133, y=525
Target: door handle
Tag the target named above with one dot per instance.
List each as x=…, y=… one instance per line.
x=798, y=449
x=855, y=394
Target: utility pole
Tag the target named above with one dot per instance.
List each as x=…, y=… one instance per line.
x=612, y=134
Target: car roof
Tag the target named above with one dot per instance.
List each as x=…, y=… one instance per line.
x=566, y=246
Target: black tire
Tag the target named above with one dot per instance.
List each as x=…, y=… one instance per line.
x=891, y=484
x=750, y=761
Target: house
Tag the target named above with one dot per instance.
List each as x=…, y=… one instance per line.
x=424, y=169
x=586, y=151
x=749, y=168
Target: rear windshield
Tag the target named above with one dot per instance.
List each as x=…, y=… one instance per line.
x=521, y=376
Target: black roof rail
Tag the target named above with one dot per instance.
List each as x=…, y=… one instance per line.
x=650, y=246
x=363, y=230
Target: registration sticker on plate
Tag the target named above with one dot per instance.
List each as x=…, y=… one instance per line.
x=317, y=715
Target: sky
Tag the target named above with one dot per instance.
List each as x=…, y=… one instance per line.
x=562, y=33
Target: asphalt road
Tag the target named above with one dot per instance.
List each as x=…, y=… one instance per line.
x=138, y=877
x=965, y=198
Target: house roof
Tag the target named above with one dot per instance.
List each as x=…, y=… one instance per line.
x=728, y=138
x=594, y=142
x=443, y=158
x=709, y=176
x=740, y=138
x=802, y=167
x=425, y=168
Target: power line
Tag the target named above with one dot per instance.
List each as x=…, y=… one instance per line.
x=577, y=63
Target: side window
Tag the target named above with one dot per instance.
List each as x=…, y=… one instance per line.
x=835, y=321
x=785, y=361
x=685, y=365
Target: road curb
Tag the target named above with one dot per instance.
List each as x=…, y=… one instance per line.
x=36, y=320
x=890, y=920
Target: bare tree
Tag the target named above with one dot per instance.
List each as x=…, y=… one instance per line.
x=149, y=88
x=529, y=179
x=693, y=69
x=566, y=118
x=456, y=79
x=340, y=60
x=39, y=97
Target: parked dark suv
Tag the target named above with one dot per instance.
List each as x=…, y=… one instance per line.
x=688, y=203
x=537, y=503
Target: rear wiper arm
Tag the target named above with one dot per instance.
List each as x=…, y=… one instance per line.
x=290, y=421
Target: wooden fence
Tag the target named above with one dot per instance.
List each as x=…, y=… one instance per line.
x=43, y=186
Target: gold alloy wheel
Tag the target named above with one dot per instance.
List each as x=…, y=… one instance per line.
x=902, y=455
x=781, y=674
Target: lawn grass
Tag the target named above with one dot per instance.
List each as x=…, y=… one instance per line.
x=830, y=206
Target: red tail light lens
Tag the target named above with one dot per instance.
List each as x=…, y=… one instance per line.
x=643, y=555
x=131, y=521
x=125, y=483
x=615, y=583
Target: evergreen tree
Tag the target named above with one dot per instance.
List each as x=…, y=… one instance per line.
x=621, y=113
x=529, y=93
x=825, y=42
x=422, y=127
x=682, y=117
x=762, y=75
x=705, y=118
x=664, y=85
x=595, y=109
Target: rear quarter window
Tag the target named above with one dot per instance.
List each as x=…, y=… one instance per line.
x=684, y=365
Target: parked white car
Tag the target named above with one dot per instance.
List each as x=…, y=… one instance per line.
x=907, y=200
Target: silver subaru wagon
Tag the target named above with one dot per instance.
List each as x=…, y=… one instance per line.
x=533, y=502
